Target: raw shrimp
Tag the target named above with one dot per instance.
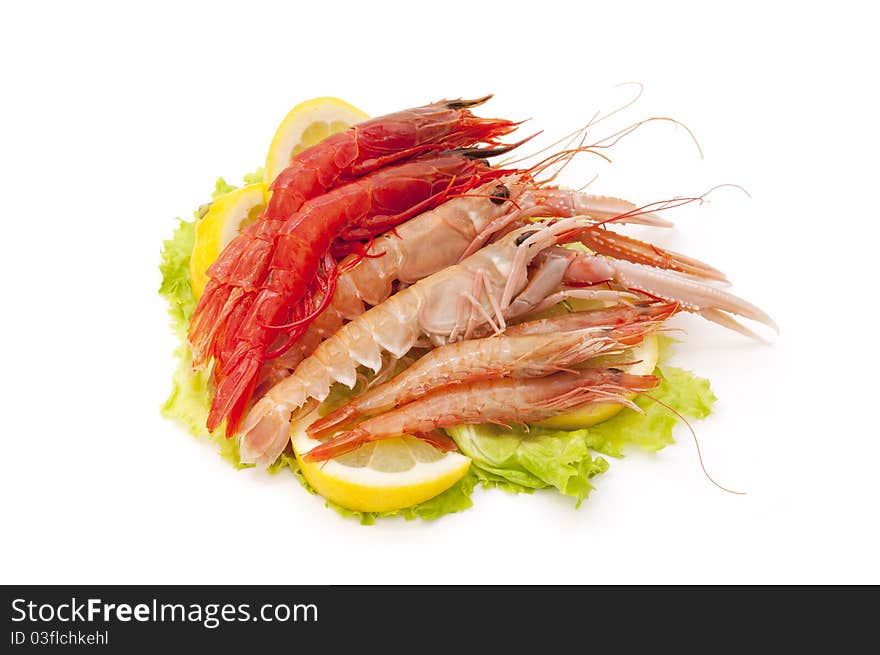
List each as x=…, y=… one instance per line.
x=502, y=401
x=534, y=355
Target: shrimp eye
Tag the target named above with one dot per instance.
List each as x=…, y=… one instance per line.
x=525, y=235
x=499, y=194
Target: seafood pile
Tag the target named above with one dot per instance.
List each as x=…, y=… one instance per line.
x=396, y=286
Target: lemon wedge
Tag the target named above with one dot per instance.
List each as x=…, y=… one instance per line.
x=226, y=217
x=645, y=355
x=382, y=476
x=304, y=126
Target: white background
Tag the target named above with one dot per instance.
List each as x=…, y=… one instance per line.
x=115, y=120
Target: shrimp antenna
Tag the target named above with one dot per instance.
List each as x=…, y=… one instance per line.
x=567, y=160
x=671, y=203
x=697, y=443
x=583, y=187
x=656, y=206
x=569, y=138
x=728, y=185
x=626, y=105
x=596, y=118
x=605, y=143
x=617, y=136
x=563, y=156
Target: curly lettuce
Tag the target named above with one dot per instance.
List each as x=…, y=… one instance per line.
x=190, y=397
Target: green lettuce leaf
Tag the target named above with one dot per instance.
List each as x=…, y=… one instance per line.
x=520, y=460
x=189, y=400
x=174, y=267
x=222, y=187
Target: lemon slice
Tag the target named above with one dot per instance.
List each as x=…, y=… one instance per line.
x=225, y=219
x=304, y=126
x=381, y=476
x=645, y=355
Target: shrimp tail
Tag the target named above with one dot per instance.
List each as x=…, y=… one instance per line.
x=265, y=431
x=268, y=431
x=340, y=445
x=342, y=418
x=206, y=321
x=356, y=438
x=234, y=390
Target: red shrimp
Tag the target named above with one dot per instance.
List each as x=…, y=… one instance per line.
x=378, y=142
x=236, y=323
